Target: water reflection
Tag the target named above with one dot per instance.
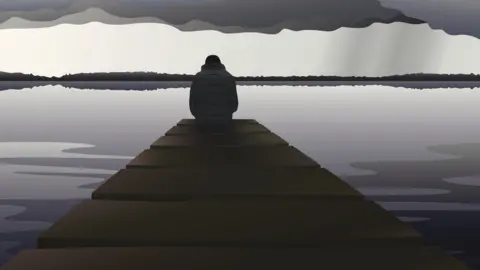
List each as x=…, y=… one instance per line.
x=152, y=85
x=400, y=191
x=15, y=185
x=7, y=226
x=5, y=247
x=48, y=150
x=413, y=219
x=466, y=180
x=428, y=206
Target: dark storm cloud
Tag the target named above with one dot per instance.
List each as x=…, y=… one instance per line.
x=455, y=17
x=260, y=15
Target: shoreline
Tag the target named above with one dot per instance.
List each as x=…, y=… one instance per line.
x=155, y=85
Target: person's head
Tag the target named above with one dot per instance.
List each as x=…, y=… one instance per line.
x=212, y=60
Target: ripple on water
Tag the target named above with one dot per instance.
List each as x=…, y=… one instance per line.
x=9, y=225
x=6, y=245
x=48, y=150
x=467, y=180
x=428, y=206
x=414, y=219
x=46, y=185
x=400, y=191
x=17, y=185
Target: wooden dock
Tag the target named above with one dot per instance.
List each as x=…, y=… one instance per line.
x=242, y=200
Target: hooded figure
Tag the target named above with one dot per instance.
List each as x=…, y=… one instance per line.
x=213, y=94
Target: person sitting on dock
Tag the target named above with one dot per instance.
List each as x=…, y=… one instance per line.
x=213, y=95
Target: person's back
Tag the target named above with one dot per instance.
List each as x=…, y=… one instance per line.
x=213, y=94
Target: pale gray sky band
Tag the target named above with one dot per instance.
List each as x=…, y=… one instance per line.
x=325, y=15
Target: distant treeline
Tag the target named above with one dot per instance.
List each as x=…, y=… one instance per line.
x=152, y=76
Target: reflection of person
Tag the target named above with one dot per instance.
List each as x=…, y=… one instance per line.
x=213, y=95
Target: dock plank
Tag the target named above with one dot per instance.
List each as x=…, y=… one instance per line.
x=241, y=156
x=248, y=223
x=240, y=129
x=222, y=183
x=230, y=140
x=191, y=122
x=155, y=258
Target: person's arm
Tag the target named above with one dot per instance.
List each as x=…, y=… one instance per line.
x=234, y=96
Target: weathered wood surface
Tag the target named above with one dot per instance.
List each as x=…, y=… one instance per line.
x=239, y=129
x=223, y=183
x=252, y=223
x=229, y=140
x=241, y=156
x=155, y=258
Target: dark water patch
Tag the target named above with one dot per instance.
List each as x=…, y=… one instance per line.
x=41, y=210
x=430, y=206
x=23, y=240
x=48, y=211
x=451, y=230
x=5, y=247
x=8, y=223
x=92, y=163
x=80, y=175
x=454, y=217
x=400, y=191
x=425, y=174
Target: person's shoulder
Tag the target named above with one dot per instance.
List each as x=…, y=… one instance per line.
x=199, y=76
x=231, y=77
x=226, y=73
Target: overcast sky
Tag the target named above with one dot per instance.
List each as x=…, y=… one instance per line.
x=381, y=49
x=308, y=14
x=453, y=16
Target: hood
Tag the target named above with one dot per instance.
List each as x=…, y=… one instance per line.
x=214, y=69
x=213, y=66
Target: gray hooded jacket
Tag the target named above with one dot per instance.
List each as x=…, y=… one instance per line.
x=213, y=94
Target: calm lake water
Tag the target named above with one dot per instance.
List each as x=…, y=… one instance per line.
x=415, y=152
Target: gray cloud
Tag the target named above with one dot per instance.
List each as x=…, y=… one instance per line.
x=269, y=16
x=455, y=17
